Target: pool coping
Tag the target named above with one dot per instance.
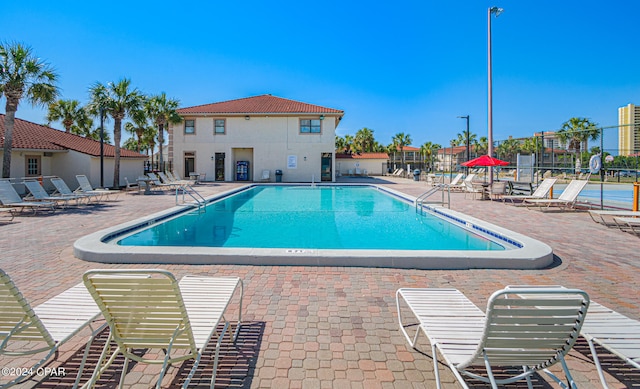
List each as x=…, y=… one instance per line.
x=528, y=254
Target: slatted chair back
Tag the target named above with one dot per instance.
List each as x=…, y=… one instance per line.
x=144, y=309
x=18, y=321
x=534, y=327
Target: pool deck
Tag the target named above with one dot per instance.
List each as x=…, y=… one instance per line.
x=330, y=327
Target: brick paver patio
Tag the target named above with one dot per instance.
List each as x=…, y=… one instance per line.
x=329, y=327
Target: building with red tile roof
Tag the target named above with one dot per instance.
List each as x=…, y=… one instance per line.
x=39, y=150
x=372, y=164
x=236, y=140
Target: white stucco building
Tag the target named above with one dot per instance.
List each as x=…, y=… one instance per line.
x=39, y=150
x=237, y=140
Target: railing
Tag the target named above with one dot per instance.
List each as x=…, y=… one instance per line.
x=420, y=200
x=188, y=190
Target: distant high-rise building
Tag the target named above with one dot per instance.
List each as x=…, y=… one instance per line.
x=629, y=130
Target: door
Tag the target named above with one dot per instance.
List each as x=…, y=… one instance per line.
x=326, y=173
x=219, y=167
x=189, y=164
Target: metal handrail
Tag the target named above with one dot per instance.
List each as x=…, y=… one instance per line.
x=188, y=189
x=438, y=188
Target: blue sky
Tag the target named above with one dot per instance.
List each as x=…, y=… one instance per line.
x=405, y=66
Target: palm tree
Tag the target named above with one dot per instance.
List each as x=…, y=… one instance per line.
x=364, y=140
x=140, y=127
x=22, y=74
x=162, y=111
x=508, y=149
x=340, y=144
x=348, y=143
x=117, y=100
x=428, y=150
x=576, y=131
x=400, y=140
x=482, y=146
x=69, y=112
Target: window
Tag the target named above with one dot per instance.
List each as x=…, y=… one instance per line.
x=189, y=126
x=308, y=126
x=219, y=125
x=33, y=165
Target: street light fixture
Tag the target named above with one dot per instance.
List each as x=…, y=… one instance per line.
x=467, y=139
x=491, y=11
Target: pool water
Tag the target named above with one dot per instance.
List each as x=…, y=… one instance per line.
x=302, y=217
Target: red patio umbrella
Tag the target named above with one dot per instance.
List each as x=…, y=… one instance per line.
x=485, y=160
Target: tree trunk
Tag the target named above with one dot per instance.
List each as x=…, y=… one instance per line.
x=9, y=122
x=160, y=142
x=117, y=135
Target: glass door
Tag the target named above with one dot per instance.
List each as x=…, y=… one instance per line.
x=325, y=173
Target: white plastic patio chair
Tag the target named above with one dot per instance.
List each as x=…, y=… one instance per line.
x=533, y=332
x=184, y=316
x=47, y=326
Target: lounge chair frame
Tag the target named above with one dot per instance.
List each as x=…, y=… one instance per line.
x=10, y=198
x=52, y=323
x=183, y=315
x=534, y=333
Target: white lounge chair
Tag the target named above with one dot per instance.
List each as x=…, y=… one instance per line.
x=567, y=199
x=265, y=176
x=629, y=224
x=38, y=193
x=533, y=333
x=85, y=187
x=155, y=180
x=10, y=198
x=541, y=192
x=613, y=331
x=455, y=183
x=46, y=327
x=606, y=217
x=185, y=315
x=63, y=189
x=470, y=188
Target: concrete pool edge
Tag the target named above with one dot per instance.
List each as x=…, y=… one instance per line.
x=531, y=254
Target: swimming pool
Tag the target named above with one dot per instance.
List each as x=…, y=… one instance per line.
x=347, y=225
x=321, y=217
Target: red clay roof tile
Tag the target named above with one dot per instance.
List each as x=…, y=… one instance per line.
x=363, y=156
x=263, y=104
x=32, y=136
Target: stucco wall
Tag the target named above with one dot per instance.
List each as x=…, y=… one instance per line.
x=268, y=142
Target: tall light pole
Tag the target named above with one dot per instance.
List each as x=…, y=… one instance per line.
x=101, y=147
x=492, y=11
x=467, y=139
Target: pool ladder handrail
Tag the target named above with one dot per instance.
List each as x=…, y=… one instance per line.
x=188, y=189
x=439, y=187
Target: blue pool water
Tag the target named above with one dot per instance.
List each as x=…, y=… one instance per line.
x=330, y=217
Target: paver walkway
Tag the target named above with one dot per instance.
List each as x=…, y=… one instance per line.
x=330, y=327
